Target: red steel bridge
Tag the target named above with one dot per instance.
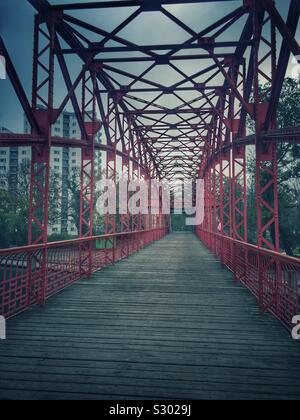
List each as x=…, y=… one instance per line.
x=168, y=111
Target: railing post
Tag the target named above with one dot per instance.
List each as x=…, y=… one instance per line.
x=222, y=251
x=28, y=280
x=114, y=245
x=43, y=287
x=234, y=262
x=278, y=286
x=246, y=265
x=260, y=283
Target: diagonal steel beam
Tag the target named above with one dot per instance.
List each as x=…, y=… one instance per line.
x=282, y=26
x=17, y=85
x=69, y=84
x=232, y=84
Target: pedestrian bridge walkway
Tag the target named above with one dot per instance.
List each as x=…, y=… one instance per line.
x=166, y=323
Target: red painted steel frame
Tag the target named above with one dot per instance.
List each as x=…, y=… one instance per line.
x=87, y=177
x=200, y=135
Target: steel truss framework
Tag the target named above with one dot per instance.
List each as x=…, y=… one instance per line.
x=193, y=127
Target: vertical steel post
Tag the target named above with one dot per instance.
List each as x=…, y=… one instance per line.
x=125, y=218
x=266, y=166
x=87, y=179
x=111, y=173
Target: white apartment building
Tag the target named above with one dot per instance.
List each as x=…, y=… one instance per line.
x=10, y=160
x=4, y=160
x=63, y=160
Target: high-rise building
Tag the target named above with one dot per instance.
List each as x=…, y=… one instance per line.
x=65, y=162
x=4, y=161
x=11, y=158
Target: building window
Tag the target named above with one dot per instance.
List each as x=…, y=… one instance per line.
x=56, y=160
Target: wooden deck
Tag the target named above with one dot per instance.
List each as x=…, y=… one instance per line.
x=168, y=323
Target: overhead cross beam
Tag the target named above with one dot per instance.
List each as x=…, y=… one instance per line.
x=147, y=5
x=158, y=122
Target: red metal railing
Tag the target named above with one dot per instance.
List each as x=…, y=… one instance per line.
x=31, y=274
x=272, y=277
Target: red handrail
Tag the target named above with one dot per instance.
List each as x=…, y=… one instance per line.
x=264, y=251
x=49, y=245
x=272, y=277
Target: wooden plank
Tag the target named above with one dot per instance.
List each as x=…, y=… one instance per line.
x=166, y=323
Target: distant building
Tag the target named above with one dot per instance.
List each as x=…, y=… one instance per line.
x=4, y=161
x=64, y=162
x=10, y=160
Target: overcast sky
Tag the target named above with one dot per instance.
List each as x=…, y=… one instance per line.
x=16, y=28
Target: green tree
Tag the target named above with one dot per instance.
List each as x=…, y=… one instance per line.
x=14, y=207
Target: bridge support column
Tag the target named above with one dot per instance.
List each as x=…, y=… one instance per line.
x=42, y=105
x=87, y=178
x=125, y=218
x=266, y=161
x=111, y=172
